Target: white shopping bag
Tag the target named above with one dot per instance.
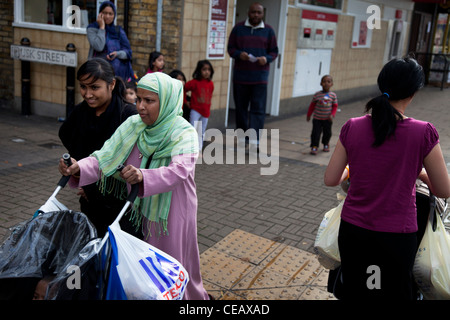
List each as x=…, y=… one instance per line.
x=51, y=205
x=432, y=265
x=141, y=271
x=326, y=244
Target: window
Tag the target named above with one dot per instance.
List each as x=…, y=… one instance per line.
x=88, y=10
x=55, y=14
x=43, y=11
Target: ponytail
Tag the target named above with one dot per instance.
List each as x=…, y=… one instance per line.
x=384, y=118
x=120, y=88
x=399, y=79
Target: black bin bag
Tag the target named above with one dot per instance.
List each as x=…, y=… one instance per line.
x=61, y=246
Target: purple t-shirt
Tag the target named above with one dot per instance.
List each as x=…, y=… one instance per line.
x=382, y=193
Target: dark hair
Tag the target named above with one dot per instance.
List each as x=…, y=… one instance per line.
x=399, y=79
x=131, y=85
x=325, y=76
x=153, y=56
x=197, y=72
x=175, y=73
x=98, y=68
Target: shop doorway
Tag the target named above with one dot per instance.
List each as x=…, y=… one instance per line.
x=421, y=31
x=273, y=15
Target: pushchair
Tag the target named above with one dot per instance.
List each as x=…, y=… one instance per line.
x=426, y=204
x=47, y=247
x=59, y=251
x=59, y=247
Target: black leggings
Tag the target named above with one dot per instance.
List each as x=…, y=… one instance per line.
x=321, y=127
x=376, y=265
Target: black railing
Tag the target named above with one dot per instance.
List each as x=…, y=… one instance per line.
x=434, y=62
x=26, y=77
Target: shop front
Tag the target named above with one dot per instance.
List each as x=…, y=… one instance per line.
x=349, y=39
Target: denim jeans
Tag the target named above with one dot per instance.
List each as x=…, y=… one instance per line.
x=254, y=95
x=199, y=123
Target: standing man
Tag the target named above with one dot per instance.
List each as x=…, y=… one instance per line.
x=253, y=45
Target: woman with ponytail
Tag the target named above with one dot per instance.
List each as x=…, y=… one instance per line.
x=89, y=125
x=386, y=152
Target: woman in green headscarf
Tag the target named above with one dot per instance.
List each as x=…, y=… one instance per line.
x=159, y=149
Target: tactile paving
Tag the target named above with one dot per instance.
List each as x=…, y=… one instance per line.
x=221, y=269
x=266, y=284
x=246, y=246
x=316, y=293
x=246, y=266
x=301, y=267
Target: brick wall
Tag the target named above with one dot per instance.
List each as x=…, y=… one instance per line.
x=142, y=31
x=6, y=67
x=353, y=68
x=194, y=48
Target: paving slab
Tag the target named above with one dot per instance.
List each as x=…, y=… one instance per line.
x=250, y=267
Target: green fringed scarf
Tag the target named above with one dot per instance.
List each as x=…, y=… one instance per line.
x=170, y=135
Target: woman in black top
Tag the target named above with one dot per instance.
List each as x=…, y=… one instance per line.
x=88, y=126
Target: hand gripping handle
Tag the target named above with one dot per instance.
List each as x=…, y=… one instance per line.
x=64, y=179
x=134, y=187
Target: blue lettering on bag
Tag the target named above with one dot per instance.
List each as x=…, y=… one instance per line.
x=160, y=274
x=152, y=276
x=162, y=258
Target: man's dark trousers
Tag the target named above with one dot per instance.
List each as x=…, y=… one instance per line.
x=256, y=96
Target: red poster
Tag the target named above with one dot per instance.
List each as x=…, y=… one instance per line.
x=217, y=29
x=362, y=40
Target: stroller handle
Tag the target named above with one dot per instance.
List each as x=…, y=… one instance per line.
x=134, y=187
x=432, y=215
x=67, y=159
x=64, y=179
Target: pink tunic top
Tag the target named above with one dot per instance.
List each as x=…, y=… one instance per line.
x=181, y=241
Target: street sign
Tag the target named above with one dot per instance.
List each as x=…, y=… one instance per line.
x=62, y=58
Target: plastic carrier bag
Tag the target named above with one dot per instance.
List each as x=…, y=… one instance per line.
x=47, y=247
x=140, y=271
x=432, y=265
x=52, y=204
x=326, y=244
